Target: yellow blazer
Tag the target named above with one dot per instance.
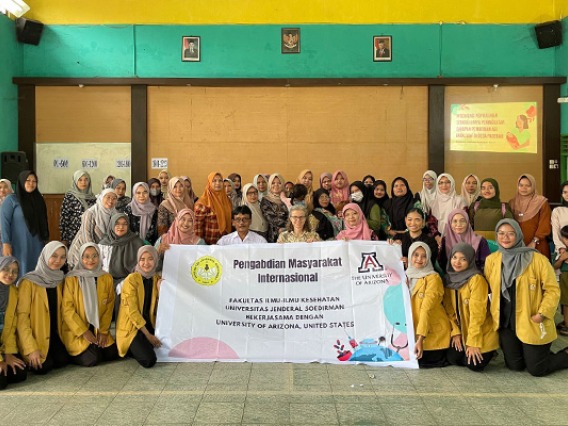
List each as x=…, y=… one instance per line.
x=33, y=324
x=430, y=318
x=130, y=318
x=74, y=318
x=537, y=292
x=8, y=339
x=476, y=322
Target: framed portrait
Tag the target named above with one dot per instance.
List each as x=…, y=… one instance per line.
x=382, y=48
x=290, y=40
x=191, y=49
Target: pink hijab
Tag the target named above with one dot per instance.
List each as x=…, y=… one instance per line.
x=175, y=236
x=339, y=195
x=360, y=231
x=451, y=238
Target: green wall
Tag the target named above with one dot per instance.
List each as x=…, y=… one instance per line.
x=562, y=70
x=11, y=54
x=253, y=51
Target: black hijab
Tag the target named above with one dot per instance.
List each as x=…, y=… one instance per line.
x=33, y=207
x=367, y=202
x=396, y=207
x=380, y=201
x=562, y=200
x=317, y=205
x=156, y=199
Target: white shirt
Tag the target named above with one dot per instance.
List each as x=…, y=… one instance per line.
x=233, y=238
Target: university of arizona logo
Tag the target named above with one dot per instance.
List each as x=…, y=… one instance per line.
x=369, y=263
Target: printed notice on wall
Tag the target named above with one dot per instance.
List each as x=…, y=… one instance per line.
x=494, y=127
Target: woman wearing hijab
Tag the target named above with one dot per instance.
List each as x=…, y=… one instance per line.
x=156, y=195
x=5, y=190
x=178, y=199
x=428, y=193
x=76, y=201
x=118, y=249
x=488, y=210
x=40, y=296
x=298, y=228
x=446, y=200
x=182, y=231
x=107, y=182
x=559, y=218
x=533, y=214
x=142, y=214
x=431, y=323
x=470, y=190
x=237, y=183
x=164, y=178
x=232, y=195
x=138, y=307
x=325, y=181
x=380, y=194
x=119, y=186
x=274, y=208
x=458, y=230
x=88, y=303
x=213, y=211
x=376, y=217
x=396, y=207
x=260, y=182
x=95, y=224
x=189, y=188
x=324, y=209
x=306, y=178
x=474, y=339
x=356, y=227
x=339, y=188
x=368, y=180
x=24, y=222
x=525, y=297
x=250, y=199
x=12, y=368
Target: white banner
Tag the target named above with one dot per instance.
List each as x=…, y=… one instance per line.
x=336, y=302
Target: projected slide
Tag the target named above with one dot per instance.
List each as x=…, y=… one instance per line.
x=494, y=127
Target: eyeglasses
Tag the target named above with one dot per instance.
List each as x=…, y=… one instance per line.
x=297, y=217
x=508, y=234
x=427, y=180
x=241, y=219
x=93, y=257
x=444, y=182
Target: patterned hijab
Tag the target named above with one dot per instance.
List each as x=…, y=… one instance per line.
x=88, y=284
x=218, y=202
x=339, y=195
x=143, y=210
x=456, y=280
x=175, y=234
x=43, y=275
x=276, y=198
x=83, y=195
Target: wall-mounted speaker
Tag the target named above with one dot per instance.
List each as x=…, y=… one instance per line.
x=28, y=31
x=13, y=162
x=548, y=34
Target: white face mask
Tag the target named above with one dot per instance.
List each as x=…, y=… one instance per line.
x=154, y=192
x=357, y=196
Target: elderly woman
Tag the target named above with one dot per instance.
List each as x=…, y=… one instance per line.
x=88, y=301
x=250, y=199
x=298, y=228
x=95, y=224
x=525, y=298
x=533, y=214
x=356, y=227
x=274, y=208
x=178, y=199
x=142, y=213
x=76, y=201
x=213, y=211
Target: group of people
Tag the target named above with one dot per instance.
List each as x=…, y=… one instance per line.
x=478, y=268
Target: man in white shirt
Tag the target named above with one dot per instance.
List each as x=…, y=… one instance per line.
x=242, y=218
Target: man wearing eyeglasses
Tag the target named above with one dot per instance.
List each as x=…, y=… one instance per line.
x=242, y=218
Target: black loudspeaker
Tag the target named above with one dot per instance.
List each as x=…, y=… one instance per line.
x=28, y=31
x=13, y=163
x=548, y=34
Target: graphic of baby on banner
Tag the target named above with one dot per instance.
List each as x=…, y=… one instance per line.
x=520, y=136
x=393, y=346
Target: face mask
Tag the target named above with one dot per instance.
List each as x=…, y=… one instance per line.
x=154, y=192
x=357, y=196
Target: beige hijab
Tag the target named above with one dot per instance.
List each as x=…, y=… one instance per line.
x=525, y=207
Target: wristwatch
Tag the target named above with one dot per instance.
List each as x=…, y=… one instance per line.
x=535, y=240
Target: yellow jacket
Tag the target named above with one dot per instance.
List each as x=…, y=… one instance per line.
x=537, y=292
x=430, y=318
x=476, y=322
x=33, y=324
x=74, y=318
x=8, y=339
x=130, y=318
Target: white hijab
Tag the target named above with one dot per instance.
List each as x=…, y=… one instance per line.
x=445, y=203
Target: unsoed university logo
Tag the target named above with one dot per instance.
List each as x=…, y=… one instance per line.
x=369, y=263
x=206, y=271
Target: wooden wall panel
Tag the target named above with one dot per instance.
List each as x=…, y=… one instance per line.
x=83, y=114
x=504, y=167
x=377, y=130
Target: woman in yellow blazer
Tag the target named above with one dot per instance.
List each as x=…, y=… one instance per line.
x=525, y=296
x=431, y=323
x=12, y=368
x=474, y=339
x=88, y=303
x=137, y=312
x=39, y=311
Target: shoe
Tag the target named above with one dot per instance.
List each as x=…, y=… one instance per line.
x=560, y=325
x=563, y=331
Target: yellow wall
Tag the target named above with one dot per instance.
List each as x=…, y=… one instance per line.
x=293, y=11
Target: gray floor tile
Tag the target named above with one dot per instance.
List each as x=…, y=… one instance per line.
x=359, y=414
x=219, y=413
x=313, y=414
x=261, y=413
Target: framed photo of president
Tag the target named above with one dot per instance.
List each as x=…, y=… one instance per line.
x=191, y=49
x=382, y=48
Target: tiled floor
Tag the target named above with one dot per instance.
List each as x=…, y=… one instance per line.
x=283, y=394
